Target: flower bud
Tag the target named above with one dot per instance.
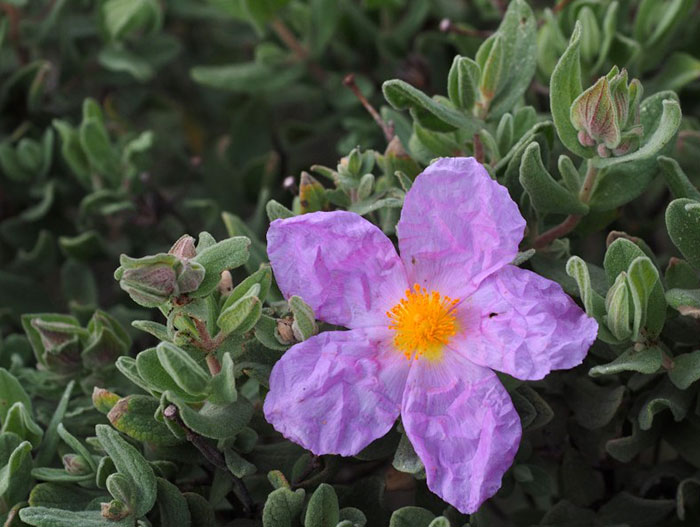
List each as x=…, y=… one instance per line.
x=151, y=285
x=606, y=115
x=593, y=112
x=184, y=248
x=75, y=464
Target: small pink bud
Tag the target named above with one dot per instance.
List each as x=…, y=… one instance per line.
x=184, y=248
x=594, y=113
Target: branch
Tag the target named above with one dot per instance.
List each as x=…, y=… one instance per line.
x=387, y=128
x=211, y=454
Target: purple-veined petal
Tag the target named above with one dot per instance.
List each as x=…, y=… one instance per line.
x=524, y=325
x=338, y=391
x=463, y=426
x=457, y=226
x=343, y=266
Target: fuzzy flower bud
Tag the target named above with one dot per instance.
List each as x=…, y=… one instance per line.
x=606, y=115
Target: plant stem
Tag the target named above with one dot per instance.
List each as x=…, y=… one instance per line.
x=478, y=148
x=208, y=345
x=286, y=36
x=211, y=454
x=564, y=228
x=387, y=128
x=588, y=183
x=572, y=220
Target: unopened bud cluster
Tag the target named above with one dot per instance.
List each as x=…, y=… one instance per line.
x=606, y=115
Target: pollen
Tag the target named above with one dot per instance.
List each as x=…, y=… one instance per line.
x=423, y=321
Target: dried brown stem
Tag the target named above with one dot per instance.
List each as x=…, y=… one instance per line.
x=387, y=128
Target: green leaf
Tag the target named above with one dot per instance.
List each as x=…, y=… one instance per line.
x=15, y=474
x=664, y=396
x=546, y=194
x=462, y=82
x=648, y=299
x=134, y=416
x=122, y=17
x=222, y=387
x=99, y=151
x=11, y=392
x=282, y=507
x=73, y=153
x=47, y=449
x=322, y=510
x=683, y=224
x=626, y=448
x=238, y=466
x=518, y=32
x=411, y=517
x=151, y=375
x=406, y=459
x=325, y=15
x=679, y=70
x=593, y=303
x=172, y=505
x=241, y=314
x=276, y=211
x=644, y=286
x=646, y=361
x=227, y=254
x=251, y=77
x=594, y=406
x=354, y=517
x=213, y=420
x=49, y=517
x=428, y=112
x=201, y=511
x=182, y=368
x=677, y=181
x=77, y=447
x=686, y=301
x=304, y=325
x=564, y=87
x=131, y=464
x=19, y=421
x=685, y=370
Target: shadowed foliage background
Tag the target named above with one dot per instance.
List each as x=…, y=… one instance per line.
x=133, y=397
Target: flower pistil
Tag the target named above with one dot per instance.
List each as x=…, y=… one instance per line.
x=423, y=322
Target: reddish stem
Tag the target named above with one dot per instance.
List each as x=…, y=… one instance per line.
x=387, y=128
x=290, y=40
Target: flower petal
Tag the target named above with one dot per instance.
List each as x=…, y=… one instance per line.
x=338, y=391
x=457, y=226
x=344, y=267
x=524, y=325
x=463, y=426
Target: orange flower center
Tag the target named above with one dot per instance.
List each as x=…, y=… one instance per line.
x=423, y=322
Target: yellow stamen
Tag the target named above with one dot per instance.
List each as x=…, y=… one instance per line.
x=424, y=322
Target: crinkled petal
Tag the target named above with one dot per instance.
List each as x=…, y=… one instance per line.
x=457, y=226
x=524, y=325
x=463, y=426
x=338, y=391
x=343, y=266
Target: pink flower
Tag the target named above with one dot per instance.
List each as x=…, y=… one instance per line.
x=426, y=329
